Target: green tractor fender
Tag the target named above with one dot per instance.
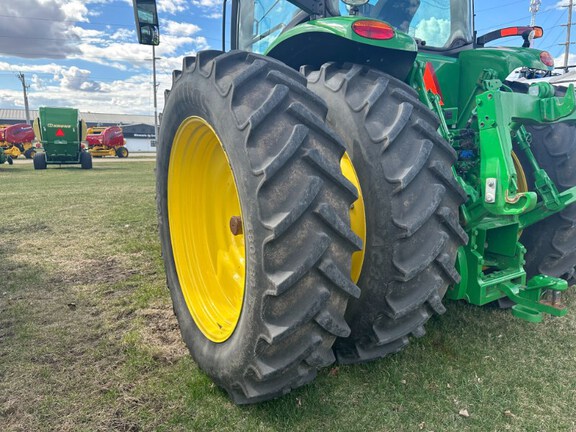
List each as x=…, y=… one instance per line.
x=503, y=60
x=459, y=76
x=334, y=39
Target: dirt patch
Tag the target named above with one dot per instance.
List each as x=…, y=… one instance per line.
x=106, y=270
x=162, y=334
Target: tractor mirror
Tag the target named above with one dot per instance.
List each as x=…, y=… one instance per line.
x=146, y=19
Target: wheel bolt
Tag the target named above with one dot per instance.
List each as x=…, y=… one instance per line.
x=236, y=225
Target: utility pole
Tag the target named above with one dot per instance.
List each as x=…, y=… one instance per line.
x=568, y=28
x=155, y=89
x=24, y=88
x=534, y=8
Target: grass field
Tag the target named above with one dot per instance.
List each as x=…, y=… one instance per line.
x=88, y=340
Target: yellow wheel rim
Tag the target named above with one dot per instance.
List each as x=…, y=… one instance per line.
x=209, y=258
x=357, y=216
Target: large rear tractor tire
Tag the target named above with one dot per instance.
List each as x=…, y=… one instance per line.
x=39, y=161
x=254, y=223
x=411, y=200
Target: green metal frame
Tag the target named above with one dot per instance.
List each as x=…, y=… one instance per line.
x=491, y=264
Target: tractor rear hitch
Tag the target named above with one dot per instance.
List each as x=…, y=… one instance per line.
x=530, y=304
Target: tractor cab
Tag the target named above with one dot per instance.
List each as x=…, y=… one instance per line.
x=444, y=26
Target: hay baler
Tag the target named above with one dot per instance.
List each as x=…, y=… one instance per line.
x=17, y=139
x=345, y=167
x=106, y=141
x=60, y=132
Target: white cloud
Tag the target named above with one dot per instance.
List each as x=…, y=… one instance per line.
x=559, y=61
x=74, y=10
x=434, y=31
x=39, y=27
x=36, y=83
x=123, y=35
x=178, y=28
x=171, y=6
x=207, y=3
x=83, y=33
x=78, y=79
x=51, y=68
x=562, y=4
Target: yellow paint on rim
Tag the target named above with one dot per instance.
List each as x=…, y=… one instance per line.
x=209, y=259
x=357, y=216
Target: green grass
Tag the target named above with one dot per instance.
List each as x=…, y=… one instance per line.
x=88, y=340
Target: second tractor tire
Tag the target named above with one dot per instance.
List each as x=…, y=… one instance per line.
x=240, y=126
x=411, y=200
x=551, y=243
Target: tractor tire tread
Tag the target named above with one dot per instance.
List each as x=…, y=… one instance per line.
x=300, y=309
x=411, y=200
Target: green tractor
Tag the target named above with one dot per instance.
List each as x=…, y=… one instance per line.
x=324, y=185
x=60, y=132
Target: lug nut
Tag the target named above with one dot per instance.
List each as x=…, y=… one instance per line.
x=236, y=225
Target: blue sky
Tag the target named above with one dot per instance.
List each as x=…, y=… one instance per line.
x=83, y=53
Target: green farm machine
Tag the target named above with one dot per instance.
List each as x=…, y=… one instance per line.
x=326, y=183
x=5, y=158
x=60, y=132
